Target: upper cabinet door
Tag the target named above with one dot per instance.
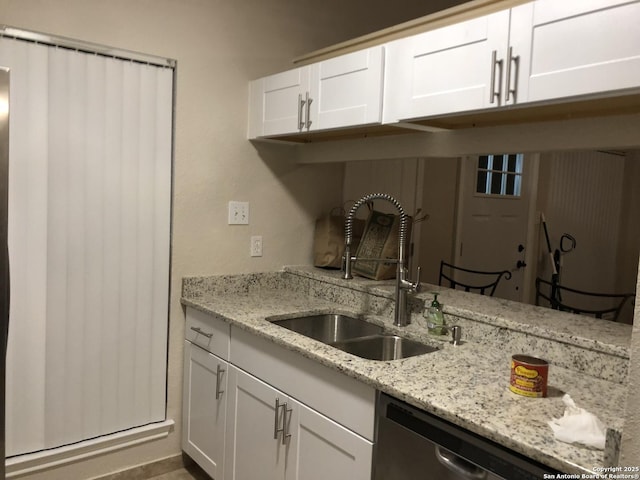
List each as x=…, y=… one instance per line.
x=451, y=69
x=582, y=47
x=346, y=90
x=276, y=103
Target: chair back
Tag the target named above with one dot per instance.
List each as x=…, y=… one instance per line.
x=476, y=281
x=582, y=302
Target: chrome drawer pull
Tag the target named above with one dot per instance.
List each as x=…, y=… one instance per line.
x=515, y=60
x=308, y=102
x=276, y=421
x=199, y=331
x=495, y=64
x=286, y=435
x=219, y=373
x=301, y=103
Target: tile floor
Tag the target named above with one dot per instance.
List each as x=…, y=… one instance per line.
x=190, y=472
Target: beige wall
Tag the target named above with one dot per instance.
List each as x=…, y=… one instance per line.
x=219, y=46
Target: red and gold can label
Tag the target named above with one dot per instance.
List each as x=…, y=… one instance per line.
x=529, y=376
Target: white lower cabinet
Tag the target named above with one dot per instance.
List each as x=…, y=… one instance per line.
x=255, y=410
x=271, y=436
x=254, y=448
x=322, y=449
x=204, y=409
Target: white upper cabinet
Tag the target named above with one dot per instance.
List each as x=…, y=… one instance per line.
x=583, y=47
x=276, y=103
x=347, y=90
x=470, y=65
x=544, y=52
x=340, y=92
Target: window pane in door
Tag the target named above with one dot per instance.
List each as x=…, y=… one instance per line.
x=481, y=184
x=511, y=180
x=496, y=183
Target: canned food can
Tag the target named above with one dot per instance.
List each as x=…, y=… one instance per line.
x=529, y=376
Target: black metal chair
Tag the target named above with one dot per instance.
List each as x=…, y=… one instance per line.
x=475, y=281
x=565, y=299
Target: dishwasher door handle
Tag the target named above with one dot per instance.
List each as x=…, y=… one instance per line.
x=458, y=465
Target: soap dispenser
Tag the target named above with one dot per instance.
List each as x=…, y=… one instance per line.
x=435, y=317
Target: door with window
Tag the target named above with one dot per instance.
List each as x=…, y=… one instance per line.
x=493, y=218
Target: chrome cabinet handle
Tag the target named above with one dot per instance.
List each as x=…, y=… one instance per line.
x=516, y=63
x=456, y=464
x=301, y=103
x=308, y=101
x=286, y=435
x=495, y=63
x=219, y=374
x=199, y=331
x=276, y=421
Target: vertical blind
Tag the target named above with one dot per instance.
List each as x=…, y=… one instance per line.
x=89, y=240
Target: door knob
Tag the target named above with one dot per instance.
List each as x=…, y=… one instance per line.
x=520, y=248
x=521, y=264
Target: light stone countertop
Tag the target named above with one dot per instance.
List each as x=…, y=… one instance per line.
x=466, y=385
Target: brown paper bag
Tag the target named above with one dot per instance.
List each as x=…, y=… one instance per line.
x=328, y=241
x=380, y=240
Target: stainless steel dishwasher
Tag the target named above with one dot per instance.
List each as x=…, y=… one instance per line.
x=413, y=444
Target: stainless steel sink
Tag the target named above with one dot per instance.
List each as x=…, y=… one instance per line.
x=330, y=328
x=355, y=336
x=384, y=347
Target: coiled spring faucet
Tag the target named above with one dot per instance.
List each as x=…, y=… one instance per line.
x=403, y=285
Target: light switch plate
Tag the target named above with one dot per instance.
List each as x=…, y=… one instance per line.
x=238, y=213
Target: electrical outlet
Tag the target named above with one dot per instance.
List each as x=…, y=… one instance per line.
x=238, y=213
x=256, y=246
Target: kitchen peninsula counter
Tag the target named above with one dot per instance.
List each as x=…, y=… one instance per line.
x=466, y=385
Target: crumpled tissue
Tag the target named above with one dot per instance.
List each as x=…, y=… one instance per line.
x=578, y=426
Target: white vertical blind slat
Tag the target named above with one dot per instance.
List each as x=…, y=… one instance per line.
x=105, y=170
x=27, y=246
x=128, y=244
x=146, y=167
x=161, y=235
x=56, y=265
x=111, y=250
x=94, y=244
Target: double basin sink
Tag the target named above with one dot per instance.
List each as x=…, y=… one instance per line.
x=355, y=336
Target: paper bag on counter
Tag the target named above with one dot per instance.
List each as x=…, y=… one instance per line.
x=328, y=241
x=380, y=240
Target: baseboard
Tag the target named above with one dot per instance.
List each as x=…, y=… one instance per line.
x=46, y=459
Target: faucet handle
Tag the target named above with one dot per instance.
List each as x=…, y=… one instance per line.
x=415, y=287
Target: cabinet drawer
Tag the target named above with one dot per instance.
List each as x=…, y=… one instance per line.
x=345, y=400
x=208, y=331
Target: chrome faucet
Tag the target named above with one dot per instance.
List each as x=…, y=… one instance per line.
x=402, y=314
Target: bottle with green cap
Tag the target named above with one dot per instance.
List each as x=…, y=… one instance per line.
x=435, y=317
